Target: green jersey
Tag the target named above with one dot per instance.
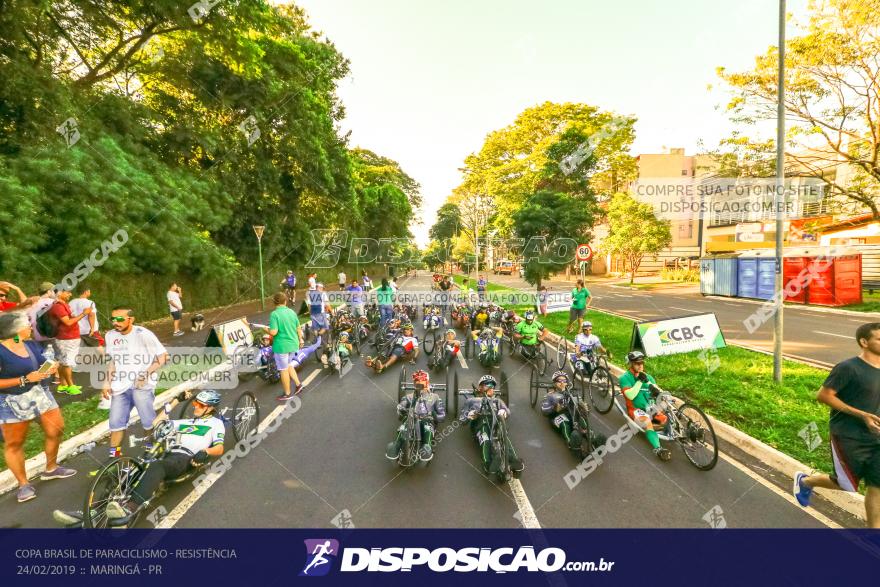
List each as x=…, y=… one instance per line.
x=579, y=298
x=643, y=398
x=529, y=332
x=286, y=322
x=385, y=295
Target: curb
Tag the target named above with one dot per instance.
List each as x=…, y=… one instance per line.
x=37, y=464
x=789, y=306
x=852, y=503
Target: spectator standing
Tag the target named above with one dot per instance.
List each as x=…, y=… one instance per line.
x=89, y=329
x=136, y=355
x=542, y=301
x=385, y=298
x=481, y=288
x=356, y=298
x=66, y=345
x=368, y=283
x=313, y=282
x=24, y=397
x=852, y=391
x=175, y=306
x=41, y=306
x=287, y=338
x=342, y=278
x=319, y=308
x=580, y=301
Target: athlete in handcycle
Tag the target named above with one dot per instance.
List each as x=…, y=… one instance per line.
x=650, y=409
x=567, y=412
x=449, y=348
x=433, y=322
x=125, y=487
x=486, y=414
x=589, y=354
x=404, y=346
x=487, y=345
x=528, y=337
x=420, y=411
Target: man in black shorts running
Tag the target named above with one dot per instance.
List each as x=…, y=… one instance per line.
x=852, y=391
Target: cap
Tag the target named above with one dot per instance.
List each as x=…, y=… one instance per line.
x=46, y=286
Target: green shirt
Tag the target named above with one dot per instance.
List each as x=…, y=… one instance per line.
x=529, y=332
x=286, y=322
x=579, y=298
x=384, y=296
x=628, y=380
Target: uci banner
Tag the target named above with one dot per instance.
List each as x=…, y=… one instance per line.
x=231, y=335
x=678, y=335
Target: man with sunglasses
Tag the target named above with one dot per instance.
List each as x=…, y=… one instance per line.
x=640, y=390
x=5, y=303
x=200, y=439
x=136, y=355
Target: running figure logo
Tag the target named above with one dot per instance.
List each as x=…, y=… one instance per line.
x=320, y=554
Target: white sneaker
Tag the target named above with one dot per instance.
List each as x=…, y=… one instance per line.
x=104, y=404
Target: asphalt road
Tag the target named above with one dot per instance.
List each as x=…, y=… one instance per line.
x=821, y=337
x=328, y=457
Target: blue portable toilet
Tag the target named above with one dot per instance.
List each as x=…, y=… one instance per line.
x=747, y=277
x=725, y=278
x=707, y=276
x=766, y=278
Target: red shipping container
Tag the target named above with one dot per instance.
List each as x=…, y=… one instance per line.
x=791, y=270
x=836, y=281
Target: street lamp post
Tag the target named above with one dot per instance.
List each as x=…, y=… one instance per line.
x=779, y=197
x=258, y=230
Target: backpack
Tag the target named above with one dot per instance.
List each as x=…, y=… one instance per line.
x=47, y=326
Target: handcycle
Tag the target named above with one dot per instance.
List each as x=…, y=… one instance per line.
x=535, y=354
x=412, y=430
x=493, y=353
x=593, y=359
x=576, y=408
x=116, y=480
x=686, y=424
x=433, y=323
x=498, y=435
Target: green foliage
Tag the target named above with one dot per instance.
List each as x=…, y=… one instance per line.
x=634, y=231
x=448, y=223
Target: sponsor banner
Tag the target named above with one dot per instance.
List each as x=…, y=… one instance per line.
x=558, y=302
x=429, y=557
x=678, y=335
x=231, y=335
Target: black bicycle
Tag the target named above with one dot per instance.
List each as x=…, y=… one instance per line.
x=577, y=409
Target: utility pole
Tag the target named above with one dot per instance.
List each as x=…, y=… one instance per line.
x=779, y=197
x=258, y=230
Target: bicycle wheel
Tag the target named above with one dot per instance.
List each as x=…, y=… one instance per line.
x=540, y=361
x=114, y=482
x=468, y=346
x=454, y=393
x=601, y=390
x=504, y=388
x=499, y=448
x=400, y=389
x=245, y=416
x=430, y=341
x=698, y=439
x=533, y=387
x=542, y=352
x=562, y=353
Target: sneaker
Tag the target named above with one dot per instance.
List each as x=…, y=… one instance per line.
x=802, y=492
x=392, y=451
x=516, y=464
x=68, y=518
x=298, y=389
x=425, y=453
x=58, y=473
x=324, y=360
x=663, y=453
x=61, y=389
x=116, y=514
x=74, y=390
x=104, y=404
x=283, y=398
x=178, y=333
x=26, y=493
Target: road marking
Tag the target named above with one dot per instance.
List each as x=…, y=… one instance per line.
x=461, y=360
x=682, y=309
x=832, y=334
x=526, y=512
x=202, y=488
x=783, y=494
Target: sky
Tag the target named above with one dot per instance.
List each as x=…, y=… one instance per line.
x=429, y=80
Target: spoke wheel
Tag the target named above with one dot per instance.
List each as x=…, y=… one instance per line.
x=601, y=390
x=697, y=439
x=533, y=388
x=114, y=482
x=245, y=416
x=562, y=353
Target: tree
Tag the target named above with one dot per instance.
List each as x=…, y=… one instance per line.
x=448, y=223
x=475, y=211
x=832, y=97
x=550, y=225
x=559, y=147
x=634, y=232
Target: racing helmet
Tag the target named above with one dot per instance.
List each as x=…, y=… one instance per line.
x=488, y=380
x=420, y=379
x=529, y=315
x=450, y=331
x=635, y=357
x=289, y=272
x=586, y=325
x=484, y=305
x=557, y=375
x=266, y=337
x=208, y=397
x=407, y=326
x=343, y=337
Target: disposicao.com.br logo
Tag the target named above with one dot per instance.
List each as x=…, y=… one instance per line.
x=442, y=560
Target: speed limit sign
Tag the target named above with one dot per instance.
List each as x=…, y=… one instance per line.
x=584, y=253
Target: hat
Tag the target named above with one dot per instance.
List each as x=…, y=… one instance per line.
x=45, y=286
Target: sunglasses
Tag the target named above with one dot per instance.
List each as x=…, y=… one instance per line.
x=119, y=318
x=198, y=404
x=2, y=295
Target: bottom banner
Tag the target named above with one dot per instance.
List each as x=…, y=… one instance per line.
x=438, y=557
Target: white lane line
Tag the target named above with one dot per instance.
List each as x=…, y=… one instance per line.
x=461, y=360
x=783, y=494
x=202, y=488
x=526, y=512
x=682, y=309
x=832, y=334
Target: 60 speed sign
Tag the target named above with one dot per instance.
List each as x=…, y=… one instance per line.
x=584, y=253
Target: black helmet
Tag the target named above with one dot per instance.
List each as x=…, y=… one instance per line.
x=635, y=356
x=488, y=380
